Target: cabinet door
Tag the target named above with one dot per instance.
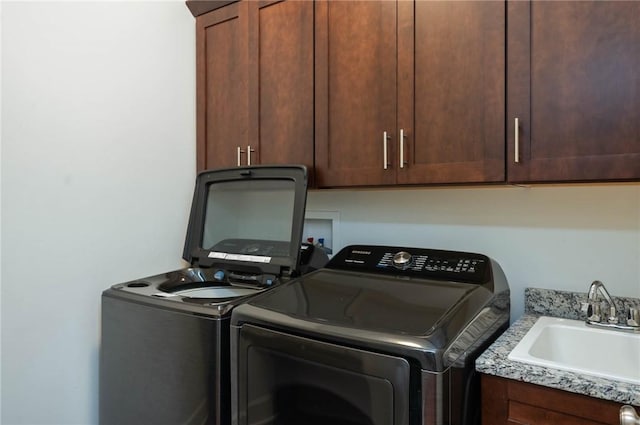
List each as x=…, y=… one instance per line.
x=355, y=92
x=451, y=111
x=506, y=402
x=281, y=82
x=574, y=87
x=255, y=84
x=222, y=89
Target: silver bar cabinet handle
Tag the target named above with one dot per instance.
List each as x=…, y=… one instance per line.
x=249, y=150
x=516, y=142
x=628, y=416
x=385, y=158
x=240, y=152
x=402, y=148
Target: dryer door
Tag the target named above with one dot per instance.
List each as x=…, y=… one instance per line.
x=284, y=379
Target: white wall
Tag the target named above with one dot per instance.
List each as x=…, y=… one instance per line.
x=98, y=166
x=544, y=236
x=1, y=211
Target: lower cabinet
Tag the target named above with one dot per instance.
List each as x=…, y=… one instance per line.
x=506, y=401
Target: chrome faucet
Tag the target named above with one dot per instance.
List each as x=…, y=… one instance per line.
x=594, y=317
x=592, y=298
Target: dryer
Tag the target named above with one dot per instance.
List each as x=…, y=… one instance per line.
x=381, y=336
x=164, y=353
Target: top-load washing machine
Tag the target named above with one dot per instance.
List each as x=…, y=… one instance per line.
x=164, y=353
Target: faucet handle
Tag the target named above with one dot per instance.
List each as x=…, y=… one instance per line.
x=633, y=317
x=613, y=316
x=593, y=312
x=584, y=306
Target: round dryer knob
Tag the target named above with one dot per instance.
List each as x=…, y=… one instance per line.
x=402, y=260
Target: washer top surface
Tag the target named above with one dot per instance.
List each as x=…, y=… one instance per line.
x=243, y=236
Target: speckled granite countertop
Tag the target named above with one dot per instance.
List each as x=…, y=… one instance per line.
x=539, y=302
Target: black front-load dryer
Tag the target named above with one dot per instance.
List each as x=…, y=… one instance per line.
x=164, y=353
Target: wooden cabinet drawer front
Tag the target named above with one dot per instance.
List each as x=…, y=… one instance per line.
x=506, y=401
x=521, y=413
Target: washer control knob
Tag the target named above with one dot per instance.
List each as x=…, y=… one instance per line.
x=402, y=260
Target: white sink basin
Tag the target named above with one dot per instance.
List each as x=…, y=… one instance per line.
x=574, y=346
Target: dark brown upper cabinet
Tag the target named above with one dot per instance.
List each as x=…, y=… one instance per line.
x=222, y=100
x=574, y=91
x=416, y=92
x=255, y=84
x=409, y=92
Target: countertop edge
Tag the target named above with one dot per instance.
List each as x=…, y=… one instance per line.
x=494, y=361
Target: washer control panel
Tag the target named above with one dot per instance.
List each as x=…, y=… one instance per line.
x=414, y=262
x=402, y=260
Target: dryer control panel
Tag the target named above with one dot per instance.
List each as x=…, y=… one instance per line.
x=414, y=262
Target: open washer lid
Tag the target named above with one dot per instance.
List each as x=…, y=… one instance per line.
x=248, y=219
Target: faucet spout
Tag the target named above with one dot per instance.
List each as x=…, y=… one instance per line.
x=596, y=287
